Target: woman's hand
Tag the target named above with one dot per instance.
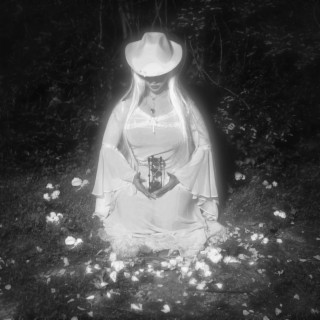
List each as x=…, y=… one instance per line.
x=137, y=181
x=173, y=181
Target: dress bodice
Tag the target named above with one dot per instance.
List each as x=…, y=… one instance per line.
x=158, y=136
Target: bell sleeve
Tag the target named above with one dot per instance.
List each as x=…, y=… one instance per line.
x=114, y=171
x=198, y=174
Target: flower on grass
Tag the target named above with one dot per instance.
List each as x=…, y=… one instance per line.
x=55, y=194
x=47, y=197
x=137, y=307
x=280, y=213
x=71, y=241
x=214, y=254
x=113, y=276
x=77, y=182
x=165, y=308
x=117, y=265
x=49, y=186
x=239, y=176
x=230, y=259
x=277, y=311
x=219, y=285
x=54, y=217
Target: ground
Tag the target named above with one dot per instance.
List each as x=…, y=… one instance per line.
x=269, y=267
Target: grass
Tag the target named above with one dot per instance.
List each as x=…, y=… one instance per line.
x=272, y=275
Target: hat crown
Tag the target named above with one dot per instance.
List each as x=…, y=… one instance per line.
x=153, y=55
x=155, y=46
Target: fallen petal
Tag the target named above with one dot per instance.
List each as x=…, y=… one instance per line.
x=134, y=279
x=245, y=312
x=219, y=285
x=165, y=308
x=8, y=287
x=317, y=257
x=90, y=297
x=277, y=311
x=113, y=276
x=90, y=314
x=76, y=182
x=65, y=261
x=296, y=296
x=137, y=307
x=70, y=241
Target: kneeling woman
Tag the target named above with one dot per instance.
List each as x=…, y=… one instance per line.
x=155, y=182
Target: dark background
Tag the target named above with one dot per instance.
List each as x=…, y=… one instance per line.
x=251, y=64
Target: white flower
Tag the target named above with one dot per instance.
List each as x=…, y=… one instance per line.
x=269, y=186
x=65, y=261
x=137, y=307
x=230, y=259
x=201, y=285
x=265, y=240
x=265, y=183
x=78, y=241
x=134, y=279
x=8, y=287
x=173, y=262
x=90, y=297
x=117, y=265
x=192, y=281
x=254, y=237
x=207, y=273
x=39, y=249
x=214, y=255
x=49, y=186
x=274, y=184
x=165, y=308
x=277, y=311
x=113, y=276
x=184, y=269
x=52, y=217
x=89, y=269
x=164, y=264
x=239, y=176
x=55, y=194
x=70, y=241
x=279, y=241
x=76, y=182
x=219, y=285
x=113, y=256
x=46, y=197
x=296, y=296
x=280, y=213
x=84, y=183
x=245, y=312
x=231, y=126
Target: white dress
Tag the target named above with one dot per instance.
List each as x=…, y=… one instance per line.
x=182, y=219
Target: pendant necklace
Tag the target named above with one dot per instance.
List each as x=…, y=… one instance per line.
x=153, y=107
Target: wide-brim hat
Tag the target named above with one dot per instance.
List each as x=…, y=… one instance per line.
x=153, y=55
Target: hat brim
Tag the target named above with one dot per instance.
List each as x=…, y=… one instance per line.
x=151, y=68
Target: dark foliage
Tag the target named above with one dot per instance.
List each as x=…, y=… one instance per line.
x=257, y=63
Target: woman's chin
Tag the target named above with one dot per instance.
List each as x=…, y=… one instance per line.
x=156, y=89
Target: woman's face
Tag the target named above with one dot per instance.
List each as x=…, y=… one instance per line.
x=157, y=84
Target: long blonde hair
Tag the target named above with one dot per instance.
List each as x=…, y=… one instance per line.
x=180, y=102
